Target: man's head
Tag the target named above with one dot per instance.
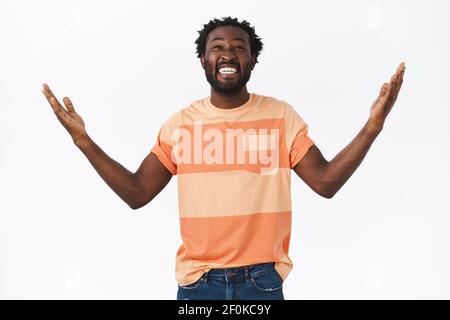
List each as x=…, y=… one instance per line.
x=228, y=51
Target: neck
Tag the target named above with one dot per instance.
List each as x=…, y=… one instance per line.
x=229, y=101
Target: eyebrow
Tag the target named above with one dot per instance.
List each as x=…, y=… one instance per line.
x=220, y=38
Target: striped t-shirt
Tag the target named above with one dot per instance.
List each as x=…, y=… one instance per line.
x=234, y=182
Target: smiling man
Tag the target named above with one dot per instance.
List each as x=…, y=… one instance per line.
x=233, y=153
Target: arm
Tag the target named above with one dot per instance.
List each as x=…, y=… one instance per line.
x=136, y=189
x=327, y=177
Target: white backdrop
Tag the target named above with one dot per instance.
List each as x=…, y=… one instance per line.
x=128, y=65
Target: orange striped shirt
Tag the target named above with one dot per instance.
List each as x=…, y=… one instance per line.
x=234, y=175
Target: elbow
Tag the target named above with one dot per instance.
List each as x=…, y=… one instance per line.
x=136, y=204
x=136, y=200
x=139, y=203
x=325, y=192
x=328, y=195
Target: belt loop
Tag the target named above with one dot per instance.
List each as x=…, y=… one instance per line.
x=205, y=277
x=247, y=279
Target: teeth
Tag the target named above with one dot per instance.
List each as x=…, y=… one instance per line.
x=227, y=70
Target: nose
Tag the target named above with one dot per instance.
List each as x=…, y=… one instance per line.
x=228, y=53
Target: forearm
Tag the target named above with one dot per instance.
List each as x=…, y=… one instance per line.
x=337, y=171
x=118, y=178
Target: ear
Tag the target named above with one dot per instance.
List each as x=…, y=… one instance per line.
x=253, y=61
x=202, y=61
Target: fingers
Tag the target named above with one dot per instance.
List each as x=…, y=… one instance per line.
x=388, y=93
x=399, y=79
x=384, y=89
x=48, y=92
x=68, y=104
x=395, y=83
x=400, y=68
x=398, y=73
x=54, y=103
x=58, y=109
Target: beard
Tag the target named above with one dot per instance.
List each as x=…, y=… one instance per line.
x=228, y=87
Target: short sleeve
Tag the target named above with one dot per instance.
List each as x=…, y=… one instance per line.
x=297, y=138
x=163, y=146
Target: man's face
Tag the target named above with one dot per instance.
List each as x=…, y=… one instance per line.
x=228, y=62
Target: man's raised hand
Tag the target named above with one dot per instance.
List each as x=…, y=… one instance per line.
x=386, y=98
x=68, y=117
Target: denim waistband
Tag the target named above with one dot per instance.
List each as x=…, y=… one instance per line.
x=246, y=272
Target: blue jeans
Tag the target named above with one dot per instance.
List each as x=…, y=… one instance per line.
x=254, y=282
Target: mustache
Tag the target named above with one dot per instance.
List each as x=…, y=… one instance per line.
x=229, y=65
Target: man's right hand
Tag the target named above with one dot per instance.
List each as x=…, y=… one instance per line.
x=136, y=189
x=69, y=118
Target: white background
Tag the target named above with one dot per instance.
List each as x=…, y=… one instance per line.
x=129, y=65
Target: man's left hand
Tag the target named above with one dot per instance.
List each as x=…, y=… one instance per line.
x=386, y=99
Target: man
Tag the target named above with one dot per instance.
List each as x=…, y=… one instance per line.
x=233, y=153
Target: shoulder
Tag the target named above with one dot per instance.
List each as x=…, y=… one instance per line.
x=184, y=115
x=281, y=105
x=266, y=99
x=172, y=121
